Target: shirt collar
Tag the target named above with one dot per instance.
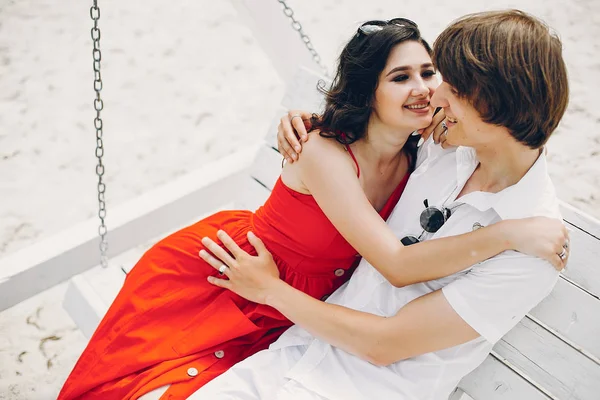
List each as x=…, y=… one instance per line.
x=520, y=200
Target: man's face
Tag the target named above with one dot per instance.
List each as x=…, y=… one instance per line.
x=465, y=127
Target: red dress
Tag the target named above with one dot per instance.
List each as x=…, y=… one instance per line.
x=168, y=325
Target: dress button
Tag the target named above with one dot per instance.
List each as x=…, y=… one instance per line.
x=339, y=272
x=192, y=372
x=324, y=298
x=219, y=354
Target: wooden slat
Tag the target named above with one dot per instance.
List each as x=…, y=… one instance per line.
x=558, y=346
x=584, y=261
x=557, y=367
x=494, y=381
x=458, y=394
x=574, y=314
x=83, y=303
x=271, y=136
x=90, y=294
x=580, y=219
x=267, y=166
x=66, y=254
x=253, y=195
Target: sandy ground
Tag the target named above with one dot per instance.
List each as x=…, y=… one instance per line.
x=182, y=86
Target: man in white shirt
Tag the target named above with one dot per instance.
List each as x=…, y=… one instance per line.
x=505, y=90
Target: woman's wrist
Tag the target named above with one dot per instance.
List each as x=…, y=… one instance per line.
x=275, y=292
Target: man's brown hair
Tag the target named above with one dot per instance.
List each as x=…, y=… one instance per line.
x=509, y=66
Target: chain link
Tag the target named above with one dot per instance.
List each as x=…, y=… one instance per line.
x=287, y=10
x=98, y=106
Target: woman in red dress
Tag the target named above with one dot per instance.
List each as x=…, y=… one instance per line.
x=169, y=327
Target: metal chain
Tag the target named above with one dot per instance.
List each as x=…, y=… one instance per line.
x=287, y=10
x=98, y=106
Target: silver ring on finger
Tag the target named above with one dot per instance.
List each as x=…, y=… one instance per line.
x=444, y=126
x=222, y=269
x=295, y=116
x=563, y=254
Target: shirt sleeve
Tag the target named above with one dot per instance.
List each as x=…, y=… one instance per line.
x=496, y=294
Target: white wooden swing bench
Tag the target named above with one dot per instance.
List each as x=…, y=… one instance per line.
x=553, y=353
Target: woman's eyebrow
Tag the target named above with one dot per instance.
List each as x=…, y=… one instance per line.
x=408, y=67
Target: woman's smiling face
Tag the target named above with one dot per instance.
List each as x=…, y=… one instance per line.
x=405, y=88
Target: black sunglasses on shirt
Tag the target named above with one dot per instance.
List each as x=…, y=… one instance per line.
x=431, y=220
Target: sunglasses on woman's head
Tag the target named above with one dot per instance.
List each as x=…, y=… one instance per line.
x=375, y=26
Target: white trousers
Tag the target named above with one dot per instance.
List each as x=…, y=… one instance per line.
x=260, y=377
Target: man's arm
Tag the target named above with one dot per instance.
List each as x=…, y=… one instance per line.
x=426, y=324
x=487, y=301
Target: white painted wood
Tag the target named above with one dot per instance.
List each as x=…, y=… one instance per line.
x=254, y=195
x=458, y=394
x=271, y=136
x=574, y=314
x=58, y=258
x=580, y=219
x=584, y=261
x=274, y=33
x=492, y=380
x=83, y=303
x=556, y=348
x=551, y=363
x=90, y=293
x=267, y=167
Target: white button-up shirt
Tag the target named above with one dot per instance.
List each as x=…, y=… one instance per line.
x=491, y=296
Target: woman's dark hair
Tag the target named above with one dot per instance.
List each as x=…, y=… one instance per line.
x=349, y=100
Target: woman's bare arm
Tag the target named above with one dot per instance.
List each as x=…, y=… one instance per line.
x=330, y=178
